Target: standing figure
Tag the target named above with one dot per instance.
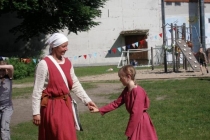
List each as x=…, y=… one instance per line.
x=6, y=106
x=202, y=59
x=51, y=100
x=136, y=101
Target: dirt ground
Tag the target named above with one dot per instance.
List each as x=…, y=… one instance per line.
x=22, y=107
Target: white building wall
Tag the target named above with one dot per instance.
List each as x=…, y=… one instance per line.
x=117, y=16
x=179, y=13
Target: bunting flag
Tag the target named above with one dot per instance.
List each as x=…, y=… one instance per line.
x=114, y=50
x=34, y=60
x=137, y=44
x=75, y=57
x=174, y=28
x=128, y=46
x=155, y=37
x=142, y=42
x=170, y=30
x=119, y=49
x=123, y=47
x=70, y=58
x=90, y=55
x=95, y=54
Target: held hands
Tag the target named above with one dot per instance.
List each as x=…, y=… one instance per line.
x=92, y=107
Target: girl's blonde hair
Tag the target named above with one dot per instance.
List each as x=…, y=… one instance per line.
x=128, y=70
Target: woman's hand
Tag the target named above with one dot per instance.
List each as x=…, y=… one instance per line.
x=37, y=119
x=94, y=109
x=91, y=104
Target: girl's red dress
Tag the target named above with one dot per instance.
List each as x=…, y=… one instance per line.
x=139, y=126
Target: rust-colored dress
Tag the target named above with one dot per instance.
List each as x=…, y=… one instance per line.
x=140, y=126
x=57, y=121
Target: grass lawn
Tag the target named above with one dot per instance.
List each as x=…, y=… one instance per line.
x=179, y=109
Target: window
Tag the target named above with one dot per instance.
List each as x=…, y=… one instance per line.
x=177, y=3
x=168, y=3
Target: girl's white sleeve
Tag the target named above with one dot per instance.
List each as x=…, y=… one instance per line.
x=78, y=89
x=40, y=82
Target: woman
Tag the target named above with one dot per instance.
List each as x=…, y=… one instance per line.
x=53, y=113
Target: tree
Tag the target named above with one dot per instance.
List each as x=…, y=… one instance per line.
x=48, y=16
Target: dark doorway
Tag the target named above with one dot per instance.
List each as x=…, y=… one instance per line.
x=140, y=57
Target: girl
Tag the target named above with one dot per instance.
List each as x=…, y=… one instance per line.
x=136, y=102
x=202, y=59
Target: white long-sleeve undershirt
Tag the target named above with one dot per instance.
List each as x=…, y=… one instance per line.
x=41, y=81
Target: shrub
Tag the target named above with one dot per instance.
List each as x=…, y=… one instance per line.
x=21, y=69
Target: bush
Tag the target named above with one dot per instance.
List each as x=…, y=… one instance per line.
x=21, y=69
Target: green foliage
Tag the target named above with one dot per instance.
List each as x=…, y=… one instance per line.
x=49, y=16
x=21, y=69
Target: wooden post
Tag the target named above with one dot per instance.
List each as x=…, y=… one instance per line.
x=191, y=37
x=184, y=38
x=152, y=58
x=173, y=47
x=176, y=52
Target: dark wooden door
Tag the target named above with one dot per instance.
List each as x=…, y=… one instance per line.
x=140, y=57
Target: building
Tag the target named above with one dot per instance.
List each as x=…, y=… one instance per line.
x=132, y=24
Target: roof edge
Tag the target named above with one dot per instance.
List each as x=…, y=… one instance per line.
x=135, y=32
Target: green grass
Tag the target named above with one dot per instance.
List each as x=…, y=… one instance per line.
x=24, y=131
x=179, y=109
x=22, y=92
x=25, y=80
x=88, y=85
x=94, y=70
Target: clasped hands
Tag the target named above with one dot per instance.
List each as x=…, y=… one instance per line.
x=92, y=107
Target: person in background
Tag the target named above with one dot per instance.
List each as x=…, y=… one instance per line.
x=51, y=100
x=6, y=106
x=140, y=126
x=202, y=59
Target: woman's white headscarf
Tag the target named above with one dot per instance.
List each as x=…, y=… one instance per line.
x=55, y=40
